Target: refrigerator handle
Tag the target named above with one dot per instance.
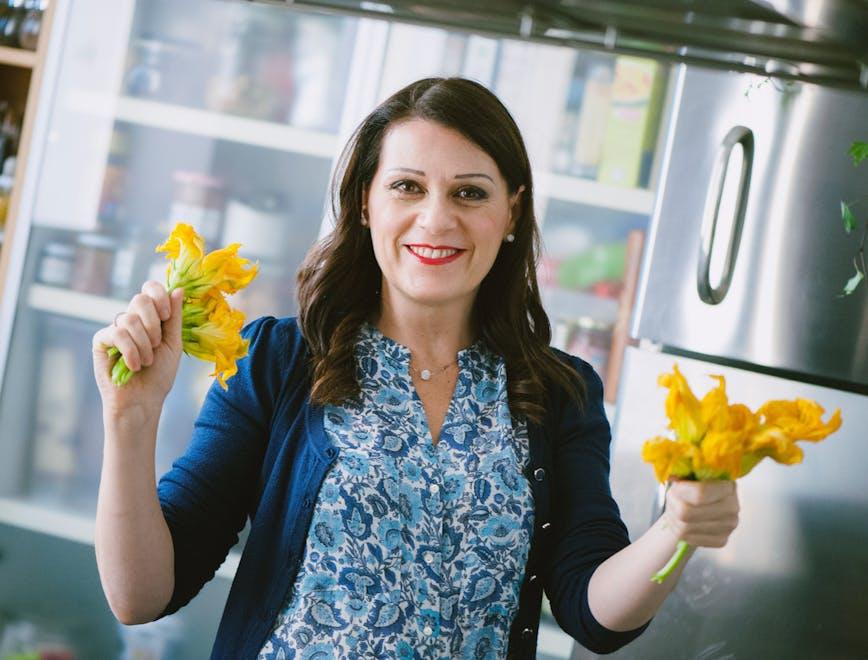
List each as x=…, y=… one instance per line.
x=736, y=135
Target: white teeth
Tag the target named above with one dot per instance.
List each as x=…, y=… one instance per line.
x=430, y=253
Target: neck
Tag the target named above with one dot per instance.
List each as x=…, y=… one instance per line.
x=434, y=334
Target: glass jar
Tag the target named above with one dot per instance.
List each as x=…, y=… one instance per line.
x=31, y=24
x=197, y=200
x=94, y=259
x=55, y=264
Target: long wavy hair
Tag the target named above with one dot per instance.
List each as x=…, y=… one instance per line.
x=339, y=281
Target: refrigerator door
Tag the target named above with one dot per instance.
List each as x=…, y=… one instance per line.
x=748, y=253
x=790, y=582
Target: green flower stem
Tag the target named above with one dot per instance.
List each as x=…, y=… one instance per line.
x=120, y=373
x=680, y=550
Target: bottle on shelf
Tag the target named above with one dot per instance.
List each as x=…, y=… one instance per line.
x=14, y=16
x=7, y=179
x=31, y=24
x=563, y=152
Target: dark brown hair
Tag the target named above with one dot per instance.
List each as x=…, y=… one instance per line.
x=339, y=281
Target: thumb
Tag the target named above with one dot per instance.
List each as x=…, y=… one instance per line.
x=172, y=327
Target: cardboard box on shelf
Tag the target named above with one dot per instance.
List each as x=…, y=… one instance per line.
x=631, y=131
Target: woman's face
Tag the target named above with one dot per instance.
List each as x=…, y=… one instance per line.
x=438, y=211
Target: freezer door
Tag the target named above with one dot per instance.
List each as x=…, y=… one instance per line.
x=790, y=583
x=747, y=252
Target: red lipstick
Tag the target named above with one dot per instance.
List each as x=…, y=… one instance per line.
x=430, y=260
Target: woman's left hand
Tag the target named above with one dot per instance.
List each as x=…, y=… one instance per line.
x=702, y=513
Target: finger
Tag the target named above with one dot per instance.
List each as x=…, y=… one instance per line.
x=133, y=324
x=102, y=340
x=123, y=341
x=688, y=513
x=146, y=308
x=160, y=297
x=172, y=332
x=702, y=492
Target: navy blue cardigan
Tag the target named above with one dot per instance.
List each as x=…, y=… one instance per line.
x=259, y=451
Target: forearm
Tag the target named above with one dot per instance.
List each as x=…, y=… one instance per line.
x=134, y=549
x=621, y=594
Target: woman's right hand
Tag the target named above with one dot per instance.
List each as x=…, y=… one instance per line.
x=148, y=335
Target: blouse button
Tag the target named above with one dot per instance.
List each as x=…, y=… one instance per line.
x=539, y=474
x=435, y=488
x=427, y=630
x=527, y=633
x=428, y=557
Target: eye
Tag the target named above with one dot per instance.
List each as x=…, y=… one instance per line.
x=405, y=186
x=472, y=193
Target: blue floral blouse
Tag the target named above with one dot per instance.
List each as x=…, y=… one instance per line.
x=415, y=550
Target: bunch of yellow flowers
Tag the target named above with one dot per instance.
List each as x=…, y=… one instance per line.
x=211, y=329
x=718, y=440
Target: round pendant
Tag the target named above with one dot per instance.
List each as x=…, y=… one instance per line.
x=425, y=374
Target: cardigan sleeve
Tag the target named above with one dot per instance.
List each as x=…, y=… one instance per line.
x=207, y=494
x=587, y=526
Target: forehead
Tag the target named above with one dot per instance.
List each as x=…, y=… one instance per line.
x=433, y=148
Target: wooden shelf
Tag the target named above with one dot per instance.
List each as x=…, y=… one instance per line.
x=207, y=123
x=71, y=526
x=85, y=306
x=593, y=193
x=26, y=59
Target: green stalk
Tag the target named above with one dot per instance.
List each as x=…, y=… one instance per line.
x=680, y=550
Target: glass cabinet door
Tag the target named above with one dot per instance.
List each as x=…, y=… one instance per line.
x=229, y=116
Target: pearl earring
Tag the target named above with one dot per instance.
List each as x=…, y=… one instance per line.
x=510, y=238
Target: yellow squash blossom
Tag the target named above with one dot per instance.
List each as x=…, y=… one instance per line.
x=718, y=440
x=211, y=329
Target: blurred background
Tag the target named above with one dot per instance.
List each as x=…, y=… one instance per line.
x=128, y=116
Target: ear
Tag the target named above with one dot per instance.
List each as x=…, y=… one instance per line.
x=514, y=208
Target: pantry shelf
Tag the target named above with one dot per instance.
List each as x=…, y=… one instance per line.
x=25, y=59
x=206, y=123
x=72, y=527
x=592, y=193
x=74, y=304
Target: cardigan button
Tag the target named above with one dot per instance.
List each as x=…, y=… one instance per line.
x=539, y=474
x=527, y=633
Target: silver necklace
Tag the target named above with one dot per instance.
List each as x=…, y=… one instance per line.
x=426, y=374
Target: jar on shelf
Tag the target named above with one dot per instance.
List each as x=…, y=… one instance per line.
x=55, y=264
x=31, y=24
x=591, y=340
x=94, y=260
x=259, y=223
x=197, y=200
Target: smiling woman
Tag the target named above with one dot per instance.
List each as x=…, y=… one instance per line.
x=417, y=463
x=434, y=219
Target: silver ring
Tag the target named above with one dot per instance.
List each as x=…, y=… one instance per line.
x=115, y=321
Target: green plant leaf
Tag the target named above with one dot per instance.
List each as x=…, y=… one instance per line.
x=852, y=283
x=859, y=152
x=848, y=217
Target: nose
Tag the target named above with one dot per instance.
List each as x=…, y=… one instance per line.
x=437, y=216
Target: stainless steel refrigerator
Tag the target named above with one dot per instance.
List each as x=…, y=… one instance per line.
x=746, y=257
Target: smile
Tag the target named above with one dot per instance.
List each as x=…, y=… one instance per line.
x=434, y=255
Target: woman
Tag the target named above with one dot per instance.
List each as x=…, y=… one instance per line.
x=417, y=463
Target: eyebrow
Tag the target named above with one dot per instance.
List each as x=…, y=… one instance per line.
x=457, y=176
